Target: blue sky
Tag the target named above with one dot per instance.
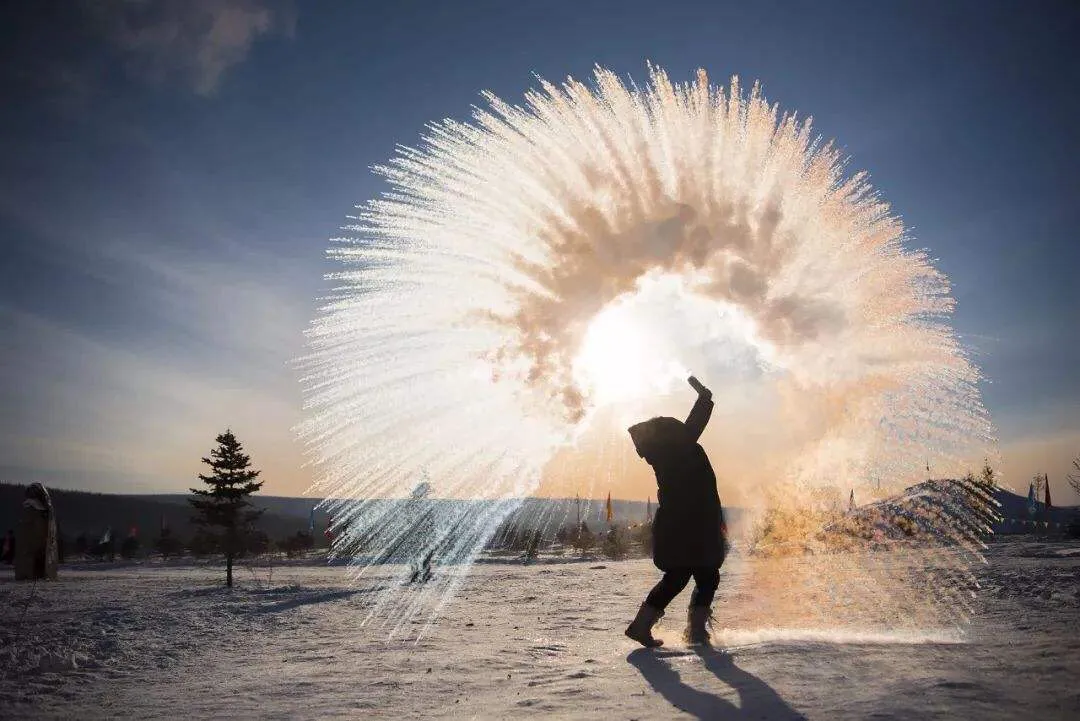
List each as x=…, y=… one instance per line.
x=172, y=174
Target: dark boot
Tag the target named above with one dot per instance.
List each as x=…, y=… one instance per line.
x=640, y=629
x=698, y=620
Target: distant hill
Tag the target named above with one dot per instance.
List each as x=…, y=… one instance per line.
x=284, y=506
x=1017, y=519
x=933, y=497
x=80, y=512
x=91, y=513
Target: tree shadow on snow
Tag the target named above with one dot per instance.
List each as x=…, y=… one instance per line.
x=757, y=700
x=310, y=598
x=219, y=590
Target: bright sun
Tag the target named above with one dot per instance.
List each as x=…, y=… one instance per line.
x=618, y=363
x=644, y=344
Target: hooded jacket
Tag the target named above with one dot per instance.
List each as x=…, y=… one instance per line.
x=688, y=529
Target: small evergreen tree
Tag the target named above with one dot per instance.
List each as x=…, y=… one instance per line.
x=532, y=545
x=296, y=544
x=204, y=543
x=980, y=492
x=167, y=544
x=614, y=546
x=642, y=534
x=225, y=503
x=584, y=540
x=130, y=547
x=255, y=543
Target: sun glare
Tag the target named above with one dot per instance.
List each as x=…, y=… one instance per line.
x=616, y=362
x=627, y=354
x=644, y=344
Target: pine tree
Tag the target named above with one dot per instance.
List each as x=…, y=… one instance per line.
x=225, y=503
x=614, y=546
x=1074, y=477
x=978, y=495
x=584, y=540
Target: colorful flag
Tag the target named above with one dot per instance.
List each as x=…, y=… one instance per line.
x=610, y=515
x=851, y=501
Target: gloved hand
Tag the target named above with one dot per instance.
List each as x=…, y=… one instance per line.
x=699, y=387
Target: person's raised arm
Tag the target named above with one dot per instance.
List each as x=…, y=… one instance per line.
x=702, y=410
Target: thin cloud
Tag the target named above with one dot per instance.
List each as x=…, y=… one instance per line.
x=66, y=52
x=243, y=304
x=195, y=40
x=137, y=413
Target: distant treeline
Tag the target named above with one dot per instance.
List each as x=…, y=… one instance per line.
x=163, y=523
x=80, y=513
x=529, y=524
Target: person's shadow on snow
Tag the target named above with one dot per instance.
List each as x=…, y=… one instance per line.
x=757, y=700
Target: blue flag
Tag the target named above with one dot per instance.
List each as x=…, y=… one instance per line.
x=1031, y=499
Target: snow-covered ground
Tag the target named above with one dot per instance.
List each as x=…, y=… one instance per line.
x=544, y=640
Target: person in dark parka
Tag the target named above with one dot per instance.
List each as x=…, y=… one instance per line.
x=688, y=529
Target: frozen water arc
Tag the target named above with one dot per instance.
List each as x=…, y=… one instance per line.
x=467, y=290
